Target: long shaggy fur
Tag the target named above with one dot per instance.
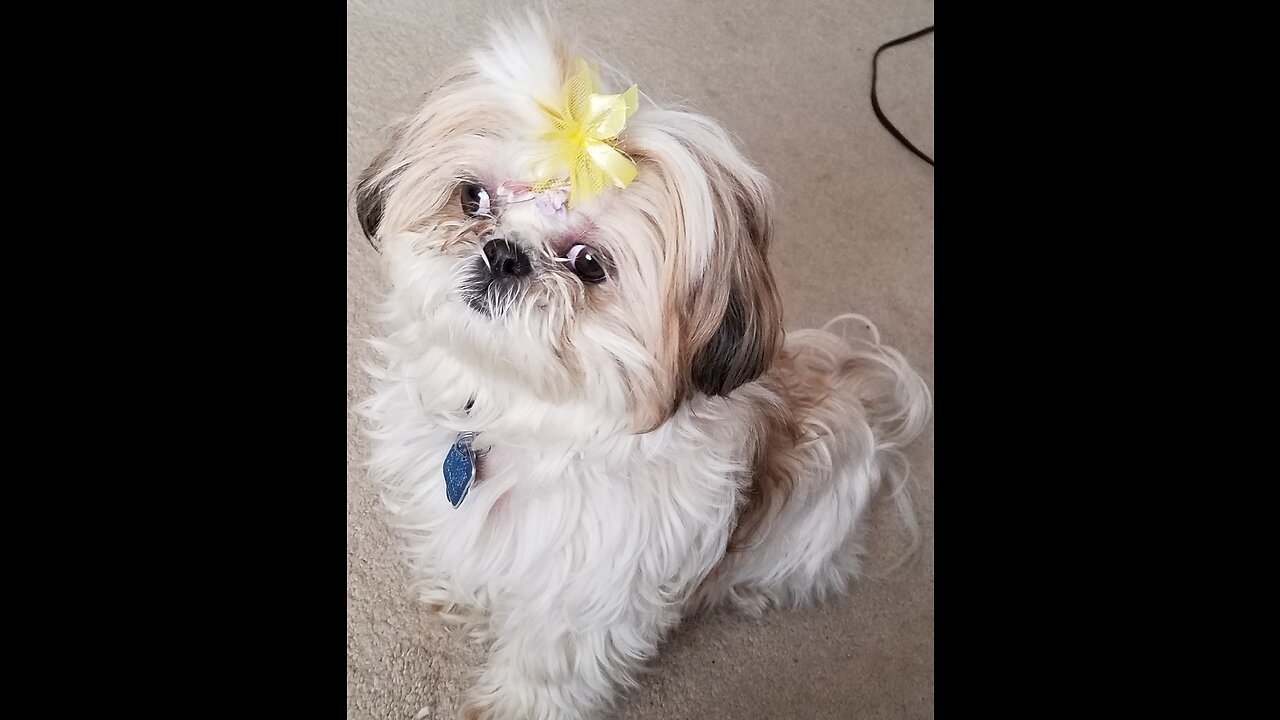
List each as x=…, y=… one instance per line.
x=655, y=444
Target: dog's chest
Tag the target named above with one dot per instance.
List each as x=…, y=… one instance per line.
x=543, y=515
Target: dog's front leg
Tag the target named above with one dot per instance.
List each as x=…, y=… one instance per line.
x=548, y=665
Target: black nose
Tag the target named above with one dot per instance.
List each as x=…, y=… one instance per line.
x=506, y=259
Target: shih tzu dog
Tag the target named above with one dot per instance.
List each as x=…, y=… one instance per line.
x=588, y=420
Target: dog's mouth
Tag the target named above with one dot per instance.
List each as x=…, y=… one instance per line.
x=492, y=298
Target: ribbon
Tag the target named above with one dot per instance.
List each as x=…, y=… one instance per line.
x=583, y=138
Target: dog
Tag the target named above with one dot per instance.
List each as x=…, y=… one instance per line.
x=588, y=422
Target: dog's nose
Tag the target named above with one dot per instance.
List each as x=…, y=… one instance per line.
x=506, y=259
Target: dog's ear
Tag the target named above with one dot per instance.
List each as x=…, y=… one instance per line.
x=739, y=292
x=740, y=350
x=371, y=196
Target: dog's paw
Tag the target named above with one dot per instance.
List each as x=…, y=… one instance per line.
x=749, y=601
x=517, y=700
x=479, y=708
x=451, y=614
x=445, y=607
x=475, y=711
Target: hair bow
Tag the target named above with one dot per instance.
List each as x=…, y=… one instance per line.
x=583, y=138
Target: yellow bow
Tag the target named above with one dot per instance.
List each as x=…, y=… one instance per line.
x=583, y=138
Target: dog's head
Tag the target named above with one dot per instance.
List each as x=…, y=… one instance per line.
x=631, y=301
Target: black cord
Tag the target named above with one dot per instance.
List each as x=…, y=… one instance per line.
x=875, y=102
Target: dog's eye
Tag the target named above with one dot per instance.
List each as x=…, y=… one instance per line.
x=585, y=262
x=475, y=200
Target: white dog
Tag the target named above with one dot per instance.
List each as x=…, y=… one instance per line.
x=588, y=419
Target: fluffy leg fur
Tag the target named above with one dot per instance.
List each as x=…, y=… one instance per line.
x=547, y=670
x=847, y=411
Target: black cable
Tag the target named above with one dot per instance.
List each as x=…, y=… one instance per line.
x=875, y=102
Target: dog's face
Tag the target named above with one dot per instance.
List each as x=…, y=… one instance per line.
x=625, y=305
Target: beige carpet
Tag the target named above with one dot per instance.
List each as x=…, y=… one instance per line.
x=854, y=233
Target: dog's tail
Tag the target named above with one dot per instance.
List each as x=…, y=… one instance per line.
x=896, y=401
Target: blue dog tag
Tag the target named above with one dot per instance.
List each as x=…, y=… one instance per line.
x=459, y=469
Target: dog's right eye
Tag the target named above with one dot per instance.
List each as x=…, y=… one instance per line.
x=475, y=200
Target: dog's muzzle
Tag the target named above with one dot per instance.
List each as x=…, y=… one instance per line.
x=499, y=275
x=507, y=262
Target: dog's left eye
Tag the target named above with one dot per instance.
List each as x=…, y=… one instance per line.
x=475, y=200
x=585, y=263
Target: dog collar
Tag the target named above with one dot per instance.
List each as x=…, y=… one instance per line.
x=460, y=468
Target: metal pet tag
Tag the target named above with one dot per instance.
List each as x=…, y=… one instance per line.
x=459, y=469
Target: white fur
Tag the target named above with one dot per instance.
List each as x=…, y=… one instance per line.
x=585, y=539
